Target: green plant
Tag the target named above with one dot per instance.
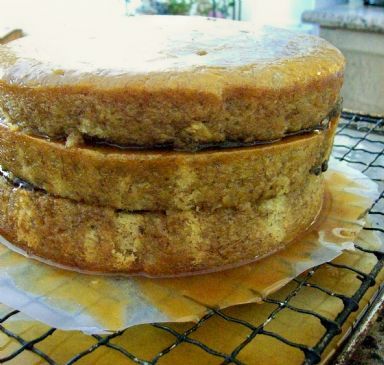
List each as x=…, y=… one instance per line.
x=221, y=8
x=178, y=7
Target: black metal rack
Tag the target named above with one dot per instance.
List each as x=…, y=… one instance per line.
x=359, y=141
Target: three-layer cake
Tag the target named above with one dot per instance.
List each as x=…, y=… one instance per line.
x=190, y=145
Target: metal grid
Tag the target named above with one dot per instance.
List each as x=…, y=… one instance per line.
x=359, y=141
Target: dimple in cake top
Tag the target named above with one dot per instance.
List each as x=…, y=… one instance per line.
x=165, y=51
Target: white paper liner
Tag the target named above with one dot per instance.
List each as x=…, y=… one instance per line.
x=99, y=304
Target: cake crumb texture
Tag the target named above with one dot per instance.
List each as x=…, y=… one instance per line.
x=102, y=239
x=166, y=180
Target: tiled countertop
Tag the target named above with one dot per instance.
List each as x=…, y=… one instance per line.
x=371, y=349
x=349, y=16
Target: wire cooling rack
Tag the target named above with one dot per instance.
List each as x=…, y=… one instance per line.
x=359, y=141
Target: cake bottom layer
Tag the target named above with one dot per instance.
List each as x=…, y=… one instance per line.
x=162, y=243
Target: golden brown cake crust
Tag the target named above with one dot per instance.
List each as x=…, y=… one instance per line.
x=214, y=81
x=166, y=180
x=156, y=243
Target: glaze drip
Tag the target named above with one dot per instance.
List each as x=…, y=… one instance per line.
x=17, y=182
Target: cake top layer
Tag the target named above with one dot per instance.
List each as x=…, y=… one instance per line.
x=170, y=52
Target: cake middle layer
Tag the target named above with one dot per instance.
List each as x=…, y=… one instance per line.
x=166, y=180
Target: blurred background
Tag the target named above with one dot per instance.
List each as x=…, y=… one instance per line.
x=356, y=27
x=283, y=13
